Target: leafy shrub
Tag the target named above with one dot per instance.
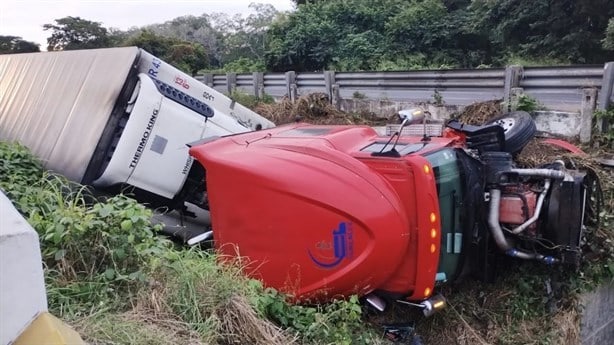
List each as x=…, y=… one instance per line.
x=523, y=102
x=92, y=250
x=19, y=170
x=338, y=322
x=244, y=65
x=606, y=137
x=527, y=103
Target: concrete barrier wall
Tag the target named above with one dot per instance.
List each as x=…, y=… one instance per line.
x=22, y=287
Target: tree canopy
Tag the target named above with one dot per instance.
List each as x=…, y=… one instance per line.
x=70, y=33
x=401, y=34
x=187, y=56
x=15, y=44
x=354, y=35
x=568, y=31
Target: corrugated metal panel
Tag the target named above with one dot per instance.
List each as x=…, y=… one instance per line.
x=274, y=80
x=560, y=87
x=308, y=83
x=220, y=83
x=457, y=87
x=275, y=85
x=58, y=103
x=493, y=73
x=245, y=80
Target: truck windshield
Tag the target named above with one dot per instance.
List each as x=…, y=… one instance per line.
x=448, y=175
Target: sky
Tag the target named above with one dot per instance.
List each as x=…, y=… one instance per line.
x=25, y=18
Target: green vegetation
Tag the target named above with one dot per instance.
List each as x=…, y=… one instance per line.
x=405, y=34
x=606, y=137
x=117, y=281
x=438, y=98
x=526, y=103
x=244, y=65
x=248, y=100
x=363, y=35
x=71, y=33
x=187, y=56
x=608, y=40
x=15, y=45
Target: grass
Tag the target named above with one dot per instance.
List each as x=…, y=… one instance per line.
x=134, y=328
x=110, y=275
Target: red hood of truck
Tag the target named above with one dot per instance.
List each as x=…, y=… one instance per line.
x=312, y=216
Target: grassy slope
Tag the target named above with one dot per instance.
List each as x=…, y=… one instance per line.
x=528, y=304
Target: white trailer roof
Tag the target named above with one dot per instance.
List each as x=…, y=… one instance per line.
x=58, y=103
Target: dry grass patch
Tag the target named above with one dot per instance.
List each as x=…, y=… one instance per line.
x=316, y=109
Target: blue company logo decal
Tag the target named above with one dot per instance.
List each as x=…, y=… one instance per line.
x=342, y=247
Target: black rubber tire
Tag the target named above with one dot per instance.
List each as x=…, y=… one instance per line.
x=519, y=128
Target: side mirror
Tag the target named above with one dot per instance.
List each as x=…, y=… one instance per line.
x=412, y=115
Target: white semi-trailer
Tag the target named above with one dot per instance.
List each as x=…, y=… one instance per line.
x=116, y=117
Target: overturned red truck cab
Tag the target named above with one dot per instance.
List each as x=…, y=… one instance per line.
x=327, y=211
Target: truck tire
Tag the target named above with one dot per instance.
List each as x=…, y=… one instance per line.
x=519, y=129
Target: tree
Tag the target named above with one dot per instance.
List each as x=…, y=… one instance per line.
x=195, y=29
x=187, y=56
x=420, y=27
x=70, y=33
x=302, y=2
x=569, y=31
x=14, y=45
x=438, y=33
x=325, y=34
x=367, y=34
x=245, y=37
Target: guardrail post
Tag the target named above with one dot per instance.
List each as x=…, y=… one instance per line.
x=605, y=96
x=208, y=79
x=336, y=97
x=589, y=101
x=512, y=81
x=329, y=81
x=258, y=80
x=291, y=89
x=231, y=82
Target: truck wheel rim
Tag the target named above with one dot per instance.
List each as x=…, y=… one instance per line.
x=506, y=123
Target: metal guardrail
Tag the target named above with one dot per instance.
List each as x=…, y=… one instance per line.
x=557, y=88
x=561, y=88
x=457, y=87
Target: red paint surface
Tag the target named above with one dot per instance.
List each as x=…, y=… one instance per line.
x=316, y=217
x=564, y=145
x=512, y=208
